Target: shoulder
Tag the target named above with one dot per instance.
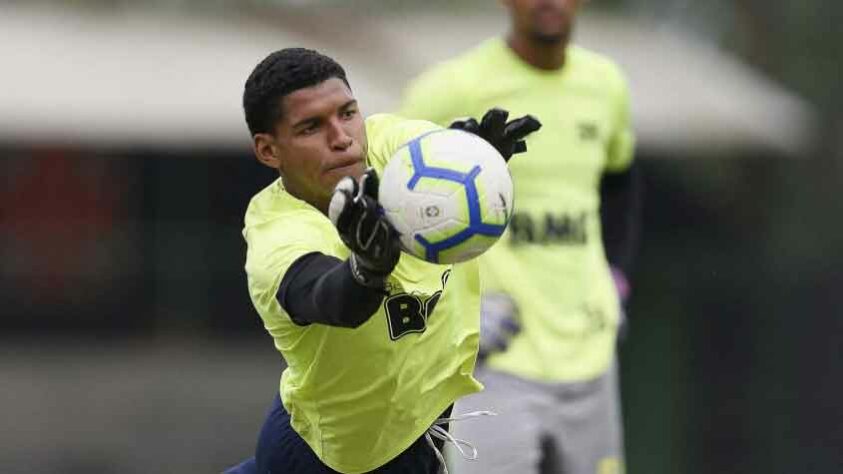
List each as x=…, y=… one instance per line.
x=261, y=205
x=271, y=203
x=273, y=216
x=600, y=68
x=386, y=133
x=380, y=127
x=459, y=70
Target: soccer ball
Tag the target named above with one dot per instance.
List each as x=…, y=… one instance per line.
x=449, y=195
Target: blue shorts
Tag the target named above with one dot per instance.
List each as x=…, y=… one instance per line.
x=281, y=450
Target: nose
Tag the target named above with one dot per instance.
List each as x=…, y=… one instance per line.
x=338, y=137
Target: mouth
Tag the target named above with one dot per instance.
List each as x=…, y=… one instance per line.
x=344, y=165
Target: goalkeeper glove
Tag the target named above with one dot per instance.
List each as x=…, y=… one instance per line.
x=359, y=219
x=498, y=323
x=506, y=137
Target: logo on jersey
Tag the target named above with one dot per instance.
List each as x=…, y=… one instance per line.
x=552, y=228
x=588, y=131
x=409, y=312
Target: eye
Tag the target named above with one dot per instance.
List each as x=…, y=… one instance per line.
x=308, y=130
x=348, y=113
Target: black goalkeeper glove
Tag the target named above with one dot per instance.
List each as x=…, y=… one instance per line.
x=359, y=219
x=506, y=137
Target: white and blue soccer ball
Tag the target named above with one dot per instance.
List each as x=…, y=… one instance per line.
x=449, y=195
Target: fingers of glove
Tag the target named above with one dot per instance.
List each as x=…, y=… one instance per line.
x=341, y=202
x=369, y=225
x=497, y=345
x=369, y=184
x=493, y=124
x=504, y=327
x=499, y=317
x=373, y=228
x=389, y=249
x=496, y=306
x=511, y=326
x=380, y=252
x=491, y=343
x=521, y=127
x=514, y=133
x=469, y=125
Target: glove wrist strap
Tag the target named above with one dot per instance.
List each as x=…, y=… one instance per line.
x=365, y=276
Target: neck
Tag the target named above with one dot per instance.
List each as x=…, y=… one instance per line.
x=548, y=56
x=320, y=204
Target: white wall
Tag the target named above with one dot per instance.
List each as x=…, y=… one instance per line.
x=155, y=79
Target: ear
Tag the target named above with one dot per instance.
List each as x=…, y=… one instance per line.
x=266, y=150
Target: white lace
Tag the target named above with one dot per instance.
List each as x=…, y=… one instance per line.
x=436, y=431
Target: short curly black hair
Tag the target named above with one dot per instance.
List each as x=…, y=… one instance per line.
x=279, y=74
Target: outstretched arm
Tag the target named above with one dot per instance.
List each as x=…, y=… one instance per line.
x=321, y=289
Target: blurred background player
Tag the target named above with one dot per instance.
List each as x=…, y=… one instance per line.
x=365, y=381
x=553, y=287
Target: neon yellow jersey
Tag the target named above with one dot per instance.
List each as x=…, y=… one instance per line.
x=359, y=397
x=551, y=260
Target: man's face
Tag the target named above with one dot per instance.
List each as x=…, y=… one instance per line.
x=319, y=139
x=546, y=21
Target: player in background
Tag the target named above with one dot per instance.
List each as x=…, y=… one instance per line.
x=371, y=374
x=554, y=285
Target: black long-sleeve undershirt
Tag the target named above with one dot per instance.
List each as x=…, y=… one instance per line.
x=318, y=288
x=620, y=215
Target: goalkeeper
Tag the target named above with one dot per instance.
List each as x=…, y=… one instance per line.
x=367, y=383
x=555, y=283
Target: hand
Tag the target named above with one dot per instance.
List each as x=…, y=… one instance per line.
x=359, y=220
x=506, y=137
x=498, y=323
x=623, y=289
